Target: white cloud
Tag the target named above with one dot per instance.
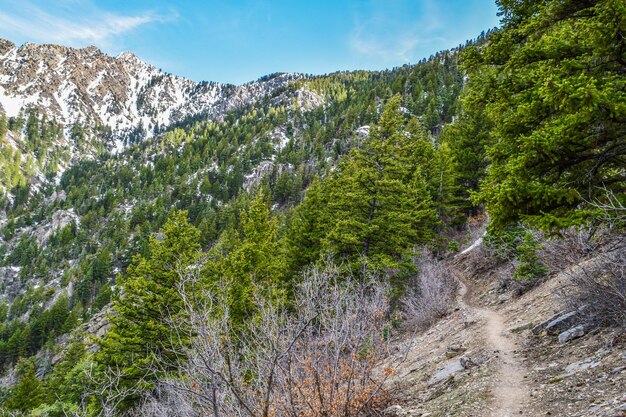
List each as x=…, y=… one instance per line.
x=387, y=38
x=79, y=25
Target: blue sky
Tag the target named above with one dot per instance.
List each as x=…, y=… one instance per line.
x=240, y=40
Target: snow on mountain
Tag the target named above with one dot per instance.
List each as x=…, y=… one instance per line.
x=122, y=93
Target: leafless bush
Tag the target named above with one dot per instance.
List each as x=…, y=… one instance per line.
x=104, y=392
x=431, y=295
x=316, y=358
x=166, y=401
x=569, y=248
x=599, y=287
x=599, y=284
x=610, y=210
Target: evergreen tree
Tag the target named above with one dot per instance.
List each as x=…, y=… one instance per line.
x=148, y=299
x=379, y=202
x=255, y=261
x=28, y=393
x=552, y=82
x=307, y=228
x=3, y=126
x=466, y=139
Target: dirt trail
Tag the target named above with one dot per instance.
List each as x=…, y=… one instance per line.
x=509, y=391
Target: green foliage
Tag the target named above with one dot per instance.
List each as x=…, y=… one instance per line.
x=519, y=246
x=248, y=260
x=307, y=228
x=28, y=392
x=466, y=139
x=551, y=82
x=149, y=299
x=378, y=198
x=201, y=167
x=3, y=126
x=530, y=265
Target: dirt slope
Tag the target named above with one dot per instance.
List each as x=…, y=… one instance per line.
x=483, y=360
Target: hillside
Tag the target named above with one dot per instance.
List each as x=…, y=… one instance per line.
x=492, y=356
x=66, y=235
x=440, y=238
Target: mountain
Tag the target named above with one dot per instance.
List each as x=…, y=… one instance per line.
x=60, y=178
x=440, y=238
x=123, y=94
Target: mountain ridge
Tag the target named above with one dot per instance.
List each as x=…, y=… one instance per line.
x=127, y=96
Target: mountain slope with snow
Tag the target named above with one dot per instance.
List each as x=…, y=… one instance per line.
x=123, y=93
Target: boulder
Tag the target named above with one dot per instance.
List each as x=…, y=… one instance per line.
x=572, y=333
x=562, y=323
x=539, y=327
x=575, y=367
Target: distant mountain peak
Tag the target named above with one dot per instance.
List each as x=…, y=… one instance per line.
x=123, y=93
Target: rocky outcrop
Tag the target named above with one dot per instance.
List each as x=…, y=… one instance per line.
x=562, y=323
x=449, y=370
x=60, y=219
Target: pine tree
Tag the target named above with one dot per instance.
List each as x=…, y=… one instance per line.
x=3, y=126
x=379, y=202
x=552, y=82
x=33, y=136
x=148, y=299
x=466, y=139
x=307, y=228
x=65, y=383
x=255, y=261
x=28, y=393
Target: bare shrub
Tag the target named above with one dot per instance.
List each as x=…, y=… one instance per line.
x=316, y=358
x=431, y=295
x=599, y=284
x=599, y=289
x=610, y=211
x=166, y=400
x=103, y=392
x=572, y=245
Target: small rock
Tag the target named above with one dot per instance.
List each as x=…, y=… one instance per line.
x=618, y=369
x=573, y=368
x=393, y=411
x=450, y=369
x=455, y=348
x=572, y=333
x=519, y=327
x=467, y=363
x=504, y=298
